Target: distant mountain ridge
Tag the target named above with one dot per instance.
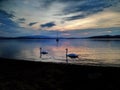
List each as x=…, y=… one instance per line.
x=38, y=37
x=106, y=36
x=27, y=37
x=48, y=37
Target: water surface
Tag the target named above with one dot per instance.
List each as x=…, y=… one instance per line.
x=90, y=51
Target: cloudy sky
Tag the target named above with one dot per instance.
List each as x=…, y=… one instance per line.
x=71, y=18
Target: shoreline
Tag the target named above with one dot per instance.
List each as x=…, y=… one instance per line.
x=30, y=75
x=63, y=62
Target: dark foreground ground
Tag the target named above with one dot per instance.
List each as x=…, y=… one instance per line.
x=28, y=75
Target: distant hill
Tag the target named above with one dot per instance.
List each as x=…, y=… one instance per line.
x=38, y=37
x=27, y=37
x=106, y=36
x=48, y=37
x=6, y=37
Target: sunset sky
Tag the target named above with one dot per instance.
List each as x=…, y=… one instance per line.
x=71, y=18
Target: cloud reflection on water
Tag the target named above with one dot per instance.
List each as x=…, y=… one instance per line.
x=89, y=51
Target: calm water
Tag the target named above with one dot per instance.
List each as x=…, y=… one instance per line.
x=89, y=51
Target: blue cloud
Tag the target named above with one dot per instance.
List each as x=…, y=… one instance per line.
x=87, y=7
x=6, y=20
x=32, y=23
x=7, y=25
x=4, y=14
x=50, y=24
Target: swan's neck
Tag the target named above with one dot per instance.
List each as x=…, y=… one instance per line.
x=40, y=49
x=40, y=52
x=66, y=55
x=66, y=52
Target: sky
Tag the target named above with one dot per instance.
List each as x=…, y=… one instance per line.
x=70, y=18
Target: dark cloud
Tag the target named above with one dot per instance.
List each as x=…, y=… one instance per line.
x=32, y=23
x=49, y=24
x=5, y=19
x=4, y=14
x=47, y=3
x=2, y=1
x=9, y=28
x=75, y=17
x=7, y=25
x=43, y=4
x=83, y=15
x=21, y=20
x=87, y=7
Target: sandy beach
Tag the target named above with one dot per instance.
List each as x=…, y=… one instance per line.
x=29, y=75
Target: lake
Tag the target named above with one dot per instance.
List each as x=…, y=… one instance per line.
x=90, y=51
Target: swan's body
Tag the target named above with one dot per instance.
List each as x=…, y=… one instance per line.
x=42, y=52
x=57, y=39
x=71, y=55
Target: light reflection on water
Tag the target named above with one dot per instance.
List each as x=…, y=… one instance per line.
x=89, y=51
